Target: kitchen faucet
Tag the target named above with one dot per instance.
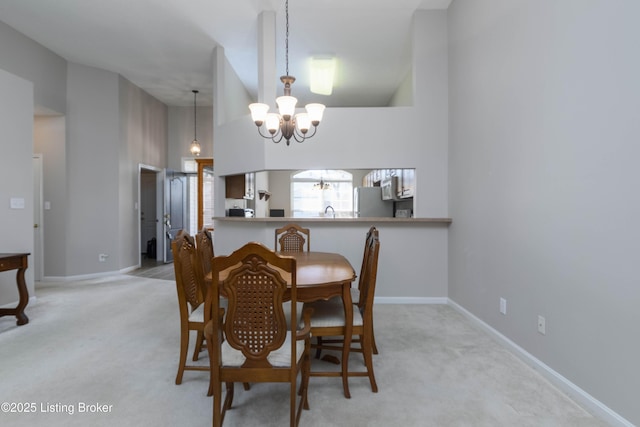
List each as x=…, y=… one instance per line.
x=332, y=210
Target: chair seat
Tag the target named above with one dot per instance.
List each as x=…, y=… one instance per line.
x=197, y=315
x=330, y=313
x=279, y=358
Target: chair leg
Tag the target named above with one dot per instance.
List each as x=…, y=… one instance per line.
x=292, y=404
x=306, y=373
x=199, y=342
x=212, y=369
x=217, y=404
x=228, y=400
x=184, y=347
x=318, y=349
x=373, y=341
x=367, y=353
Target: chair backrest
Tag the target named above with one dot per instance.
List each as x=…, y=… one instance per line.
x=365, y=258
x=189, y=279
x=369, y=273
x=204, y=244
x=254, y=280
x=292, y=238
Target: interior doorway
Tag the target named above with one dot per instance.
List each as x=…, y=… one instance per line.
x=38, y=233
x=150, y=209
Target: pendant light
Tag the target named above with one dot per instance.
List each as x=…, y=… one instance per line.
x=195, y=145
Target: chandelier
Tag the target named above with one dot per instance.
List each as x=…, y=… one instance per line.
x=195, y=145
x=321, y=185
x=285, y=124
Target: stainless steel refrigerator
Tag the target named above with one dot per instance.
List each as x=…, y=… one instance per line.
x=367, y=202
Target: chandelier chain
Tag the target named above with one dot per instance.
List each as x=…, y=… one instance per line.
x=286, y=39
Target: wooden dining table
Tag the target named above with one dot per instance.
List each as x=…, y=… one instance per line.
x=321, y=276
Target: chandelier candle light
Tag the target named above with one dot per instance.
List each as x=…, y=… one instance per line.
x=195, y=145
x=285, y=124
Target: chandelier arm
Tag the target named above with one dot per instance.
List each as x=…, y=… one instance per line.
x=268, y=135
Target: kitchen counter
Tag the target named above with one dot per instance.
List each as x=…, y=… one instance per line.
x=388, y=220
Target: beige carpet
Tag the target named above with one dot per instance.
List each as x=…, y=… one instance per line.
x=114, y=341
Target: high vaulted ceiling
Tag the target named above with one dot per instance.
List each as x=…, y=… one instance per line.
x=165, y=46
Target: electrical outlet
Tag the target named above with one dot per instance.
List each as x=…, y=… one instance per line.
x=102, y=257
x=503, y=306
x=542, y=325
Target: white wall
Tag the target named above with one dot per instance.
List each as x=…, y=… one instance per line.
x=415, y=257
x=16, y=125
x=348, y=138
x=543, y=182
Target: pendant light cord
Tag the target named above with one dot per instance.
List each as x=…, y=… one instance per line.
x=195, y=93
x=286, y=39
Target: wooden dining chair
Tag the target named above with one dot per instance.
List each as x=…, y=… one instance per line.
x=358, y=296
x=292, y=238
x=189, y=284
x=328, y=319
x=250, y=340
x=204, y=246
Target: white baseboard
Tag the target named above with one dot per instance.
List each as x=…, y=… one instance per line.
x=411, y=300
x=32, y=300
x=583, y=398
x=88, y=276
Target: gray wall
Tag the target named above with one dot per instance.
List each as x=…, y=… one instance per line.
x=16, y=117
x=180, y=129
x=93, y=141
x=49, y=139
x=97, y=128
x=143, y=140
x=21, y=56
x=543, y=182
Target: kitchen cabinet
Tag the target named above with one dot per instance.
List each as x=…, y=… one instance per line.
x=240, y=186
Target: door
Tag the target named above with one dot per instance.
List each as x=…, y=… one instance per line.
x=205, y=193
x=38, y=234
x=175, y=208
x=148, y=213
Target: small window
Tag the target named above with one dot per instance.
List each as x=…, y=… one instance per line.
x=312, y=191
x=189, y=165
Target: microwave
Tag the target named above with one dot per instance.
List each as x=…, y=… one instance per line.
x=389, y=188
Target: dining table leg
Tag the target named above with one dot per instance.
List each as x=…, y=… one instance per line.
x=348, y=331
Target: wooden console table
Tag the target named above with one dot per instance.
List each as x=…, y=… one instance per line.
x=19, y=262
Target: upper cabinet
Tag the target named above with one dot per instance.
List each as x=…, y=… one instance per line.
x=240, y=186
x=406, y=180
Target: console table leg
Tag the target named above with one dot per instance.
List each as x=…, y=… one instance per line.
x=24, y=298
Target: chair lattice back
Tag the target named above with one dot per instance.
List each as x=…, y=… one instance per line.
x=292, y=238
x=255, y=284
x=256, y=322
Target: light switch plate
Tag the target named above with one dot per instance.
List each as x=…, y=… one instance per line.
x=17, y=203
